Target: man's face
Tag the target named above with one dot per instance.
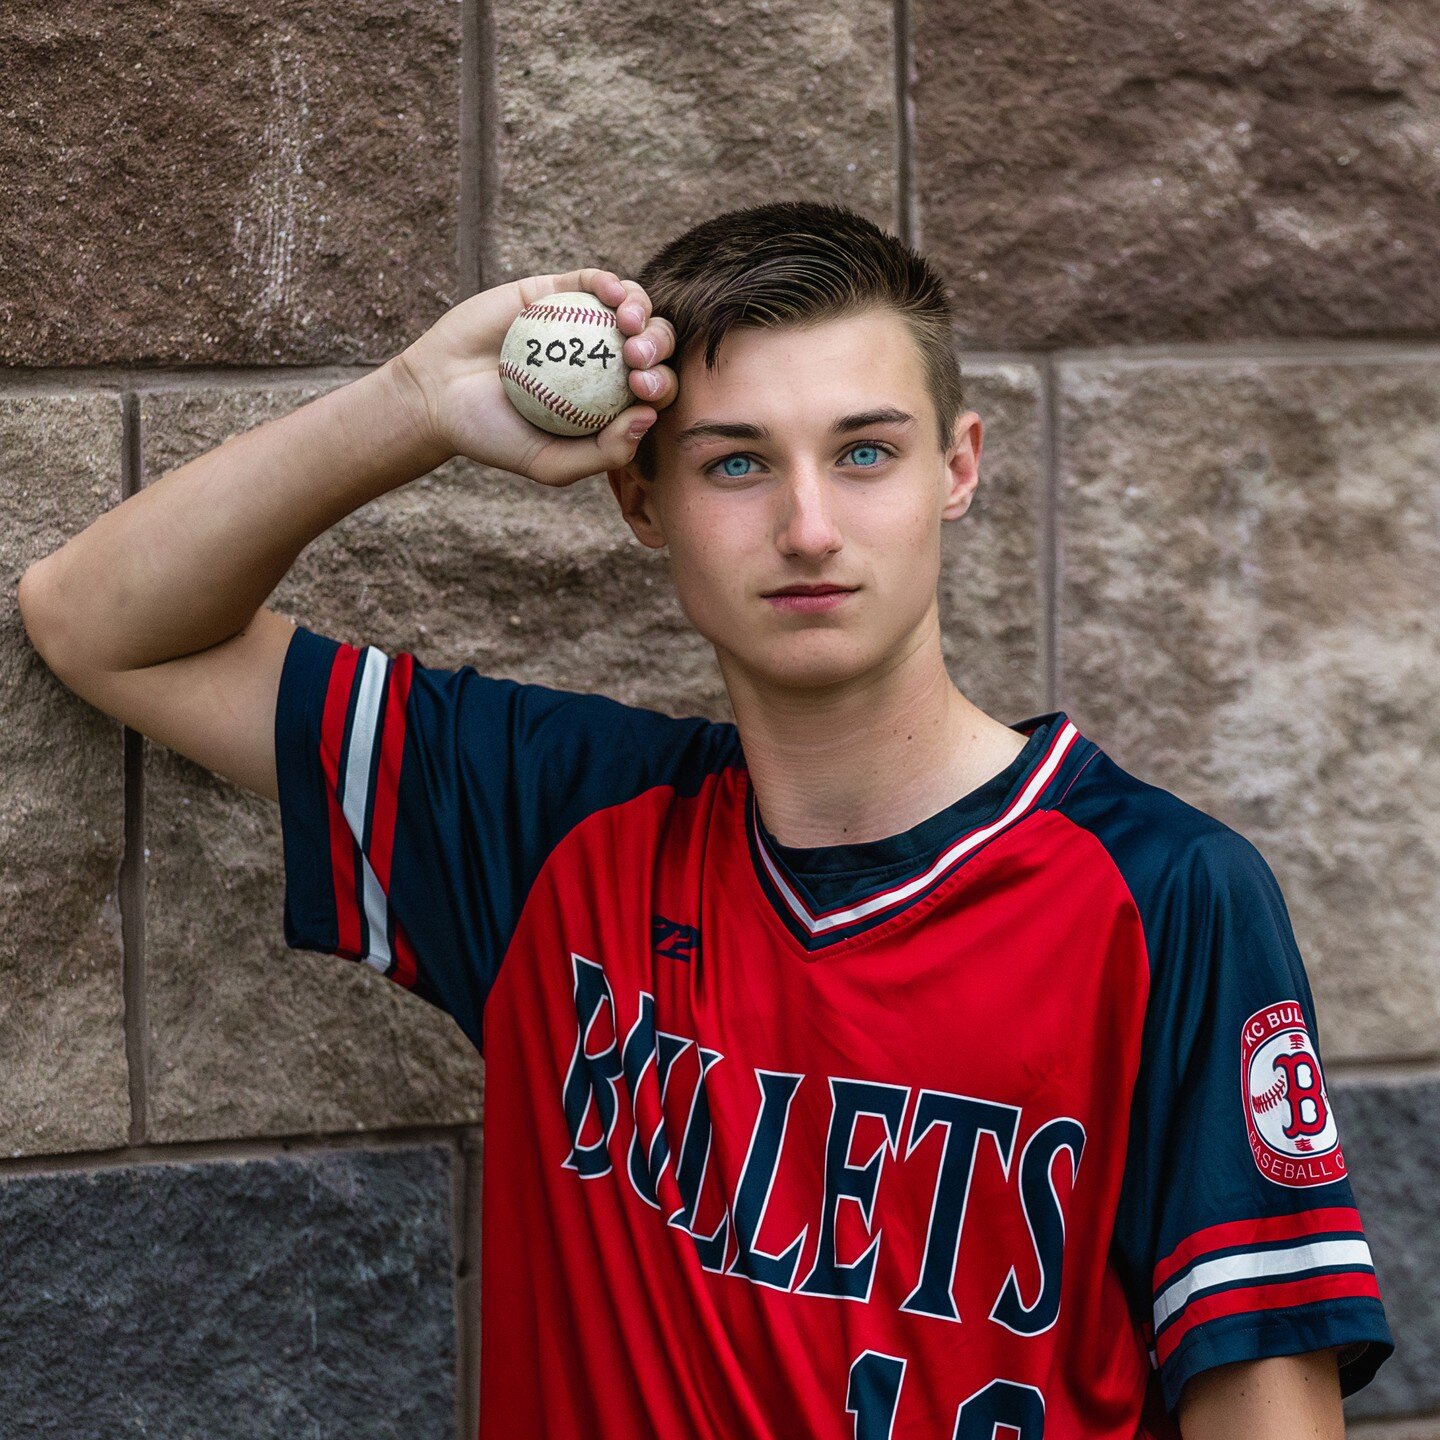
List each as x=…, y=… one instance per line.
x=797, y=501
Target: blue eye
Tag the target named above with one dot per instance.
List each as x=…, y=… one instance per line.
x=867, y=445
x=739, y=467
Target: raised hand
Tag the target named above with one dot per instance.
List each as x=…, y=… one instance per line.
x=450, y=377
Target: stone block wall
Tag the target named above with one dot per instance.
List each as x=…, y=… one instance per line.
x=1193, y=250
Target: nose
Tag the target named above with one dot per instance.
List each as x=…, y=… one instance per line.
x=806, y=526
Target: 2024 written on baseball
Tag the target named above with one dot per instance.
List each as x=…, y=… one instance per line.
x=555, y=352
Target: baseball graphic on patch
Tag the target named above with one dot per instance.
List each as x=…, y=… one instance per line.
x=1293, y=1135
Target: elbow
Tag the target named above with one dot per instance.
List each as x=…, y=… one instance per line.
x=38, y=614
x=25, y=598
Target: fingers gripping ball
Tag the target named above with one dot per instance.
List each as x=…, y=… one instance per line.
x=561, y=365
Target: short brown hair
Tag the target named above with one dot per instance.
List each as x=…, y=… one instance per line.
x=791, y=262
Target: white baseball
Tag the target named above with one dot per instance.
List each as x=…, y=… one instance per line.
x=561, y=365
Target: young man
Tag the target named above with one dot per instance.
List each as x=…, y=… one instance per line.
x=869, y=1068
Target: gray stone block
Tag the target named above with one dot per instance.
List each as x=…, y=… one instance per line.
x=1387, y=1130
x=991, y=594
x=304, y=1296
x=1248, y=582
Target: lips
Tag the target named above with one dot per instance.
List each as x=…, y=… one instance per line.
x=810, y=599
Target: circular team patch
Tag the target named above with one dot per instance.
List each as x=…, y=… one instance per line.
x=1287, y=1112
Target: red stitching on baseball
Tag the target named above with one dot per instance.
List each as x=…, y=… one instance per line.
x=542, y=311
x=1271, y=1098
x=566, y=409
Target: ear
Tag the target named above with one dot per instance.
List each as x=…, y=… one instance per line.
x=962, y=465
x=637, y=504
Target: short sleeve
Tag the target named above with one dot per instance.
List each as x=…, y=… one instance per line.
x=418, y=804
x=1237, y=1228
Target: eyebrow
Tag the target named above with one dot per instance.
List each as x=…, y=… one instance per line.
x=743, y=430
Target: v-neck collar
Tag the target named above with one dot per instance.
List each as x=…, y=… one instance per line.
x=830, y=893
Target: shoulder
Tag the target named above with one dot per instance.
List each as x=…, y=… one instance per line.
x=1177, y=861
x=457, y=737
x=587, y=724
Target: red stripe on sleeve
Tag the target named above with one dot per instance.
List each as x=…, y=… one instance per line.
x=1261, y=1298
x=344, y=848
x=387, y=799
x=387, y=778
x=1253, y=1232
x=405, y=963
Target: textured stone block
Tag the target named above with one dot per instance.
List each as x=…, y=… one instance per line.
x=464, y=566
x=1207, y=169
x=302, y=1296
x=62, y=833
x=1388, y=1129
x=992, y=612
x=1420, y=1427
x=230, y=181
x=622, y=125
x=1249, y=614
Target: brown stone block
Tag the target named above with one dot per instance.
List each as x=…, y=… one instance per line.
x=620, y=125
x=62, y=831
x=464, y=566
x=227, y=182
x=1208, y=169
x=1249, y=615
x=991, y=589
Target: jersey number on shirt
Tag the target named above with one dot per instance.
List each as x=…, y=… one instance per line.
x=874, y=1396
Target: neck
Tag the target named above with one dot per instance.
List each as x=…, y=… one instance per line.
x=870, y=757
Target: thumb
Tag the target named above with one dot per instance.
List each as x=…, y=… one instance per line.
x=610, y=448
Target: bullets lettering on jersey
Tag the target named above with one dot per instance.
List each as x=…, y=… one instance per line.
x=590, y=1088
x=1045, y=1216
x=591, y=1078
x=690, y=1173
x=757, y=1177
x=965, y=1119
x=645, y=1165
x=705, y=1204
x=639, y=1050
x=850, y=1099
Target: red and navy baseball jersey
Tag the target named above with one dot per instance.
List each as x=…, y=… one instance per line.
x=1016, y=1119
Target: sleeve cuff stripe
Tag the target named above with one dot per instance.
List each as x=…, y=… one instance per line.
x=387, y=800
x=1262, y=1299
x=1246, y=1267
x=1248, y=1233
x=332, y=758
x=362, y=788
x=1277, y=1257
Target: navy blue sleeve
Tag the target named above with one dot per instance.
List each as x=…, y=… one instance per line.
x=418, y=804
x=1237, y=1227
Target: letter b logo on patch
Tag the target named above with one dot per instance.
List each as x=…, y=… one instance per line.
x=1292, y=1129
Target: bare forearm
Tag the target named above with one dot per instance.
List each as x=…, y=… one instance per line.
x=186, y=562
